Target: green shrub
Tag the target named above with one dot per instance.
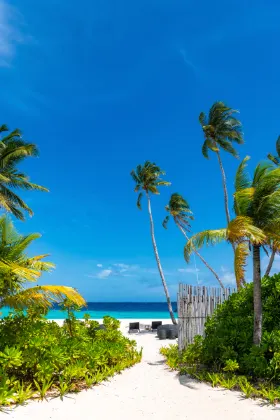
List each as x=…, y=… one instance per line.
x=229, y=333
x=226, y=356
x=37, y=356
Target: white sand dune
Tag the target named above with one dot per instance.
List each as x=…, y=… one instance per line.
x=148, y=391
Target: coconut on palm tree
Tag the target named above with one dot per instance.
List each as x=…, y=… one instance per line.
x=16, y=269
x=148, y=178
x=220, y=130
x=180, y=211
x=257, y=205
x=13, y=150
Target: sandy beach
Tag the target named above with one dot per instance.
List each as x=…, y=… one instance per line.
x=148, y=390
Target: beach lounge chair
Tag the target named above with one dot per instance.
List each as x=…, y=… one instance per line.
x=134, y=326
x=155, y=325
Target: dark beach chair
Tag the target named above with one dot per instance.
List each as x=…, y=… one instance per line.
x=156, y=324
x=134, y=326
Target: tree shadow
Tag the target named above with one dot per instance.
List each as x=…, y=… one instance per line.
x=187, y=381
x=157, y=363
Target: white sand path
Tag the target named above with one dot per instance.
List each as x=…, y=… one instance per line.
x=148, y=390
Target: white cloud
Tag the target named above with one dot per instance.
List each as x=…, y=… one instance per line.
x=99, y=265
x=10, y=32
x=104, y=274
x=122, y=268
x=121, y=265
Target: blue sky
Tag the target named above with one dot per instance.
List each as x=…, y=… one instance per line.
x=101, y=86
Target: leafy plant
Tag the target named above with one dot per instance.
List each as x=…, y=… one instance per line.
x=214, y=378
x=22, y=392
x=231, y=366
x=10, y=357
x=228, y=381
x=64, y=386
x=89, y=380
x=43, y=387
x=269, y=392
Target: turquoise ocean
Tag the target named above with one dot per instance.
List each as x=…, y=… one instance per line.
x=120, y=310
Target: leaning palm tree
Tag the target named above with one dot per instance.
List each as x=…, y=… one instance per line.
x=179, y=209
x=148, y=178
x=16, y=269
x=276, y=161
x=220, y=129
x=13, y=150
x=257, y=205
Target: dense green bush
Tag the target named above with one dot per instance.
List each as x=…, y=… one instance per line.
x=229, y=333
x=227, y=354
x=38, y=357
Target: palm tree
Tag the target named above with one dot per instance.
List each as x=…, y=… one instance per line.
x=148, y=178
x=257, y=205
x=16, y=268
x=179, y=209
x=276, y=161
x=220, y=129
x=13, y=150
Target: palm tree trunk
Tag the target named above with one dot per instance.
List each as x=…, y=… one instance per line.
x=225, y=192
x=257, y=295
x=270, y=263
x=158, y=262
x=224, y=186
x=202, y=259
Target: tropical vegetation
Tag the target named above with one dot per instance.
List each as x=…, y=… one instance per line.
x=38, y=358
x=17, y=269
x=13, y=151
x=257, y=205
x=226, y=356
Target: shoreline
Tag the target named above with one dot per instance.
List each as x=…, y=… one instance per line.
x=124, y=323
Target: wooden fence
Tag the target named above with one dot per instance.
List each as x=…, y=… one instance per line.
x=195, y=304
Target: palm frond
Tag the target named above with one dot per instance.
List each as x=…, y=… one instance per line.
x=205, y=149
x=3, y=128
x=221, y=128
x=202, y=119
x=242, y=228
x=242, y=201
x=139, y=199
x=278, y=146
x=260, y=171
x=43, y=296
x=242, y=179
x=207, y=237
x=273, y=159
x=240, y=256
x=165, y=222
x=227, y=147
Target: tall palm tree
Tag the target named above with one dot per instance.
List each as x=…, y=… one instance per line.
x=148, y=178
x=257, y=205
x=16, y=269
x=276, y=161
x=13, y=150
x=220, y=129
x=179, y=209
